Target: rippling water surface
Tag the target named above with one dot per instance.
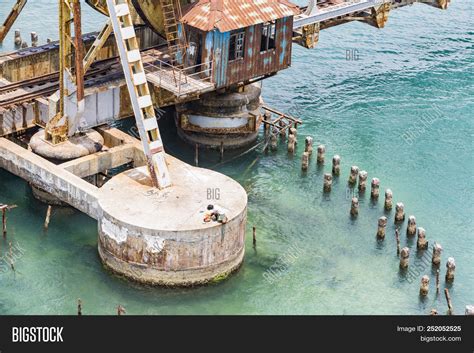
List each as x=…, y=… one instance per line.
x=403, y=111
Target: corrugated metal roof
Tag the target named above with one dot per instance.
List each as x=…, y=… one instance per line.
x=227, y=15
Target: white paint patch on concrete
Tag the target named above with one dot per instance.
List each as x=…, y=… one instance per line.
x=113, y=231
x=154, y=244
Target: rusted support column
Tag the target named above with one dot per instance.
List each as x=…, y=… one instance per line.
x=421, y=242
x=11, y=18
x=404, y=257
x=399, y=212
x=375, y=188
x=450, y=269
x=336, y=165
x=308, y=145
x=327, y=182
x=79, y=307
x=353, y=175
x=305, y=161
x=355, y=206
x=448, y=300
x=411, y=226
x=362, y=180
x=425, y=286
x=321, y=153
x=291, y=143
x=388, y=200
x=437, y=249
x=382, y=225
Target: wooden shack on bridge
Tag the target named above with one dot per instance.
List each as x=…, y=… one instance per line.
x=242, y=41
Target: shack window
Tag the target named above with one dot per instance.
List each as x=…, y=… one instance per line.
x=237, y=45
x=268, y=36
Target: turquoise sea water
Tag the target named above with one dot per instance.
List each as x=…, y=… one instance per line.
x=403, y=111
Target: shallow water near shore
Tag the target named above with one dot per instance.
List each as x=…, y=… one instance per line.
x=401, y=109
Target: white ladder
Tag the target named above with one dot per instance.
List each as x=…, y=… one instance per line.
x=130, y=57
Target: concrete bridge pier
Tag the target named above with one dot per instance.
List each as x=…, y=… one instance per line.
x=172, y=237
x=232, y=118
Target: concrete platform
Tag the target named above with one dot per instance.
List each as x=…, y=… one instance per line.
x=160, y=237
x=152, y=236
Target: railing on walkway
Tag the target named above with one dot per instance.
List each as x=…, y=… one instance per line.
x=180, y=81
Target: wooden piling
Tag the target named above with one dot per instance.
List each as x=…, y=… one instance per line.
x=79, y=307
x=196, y=155
x=354, y=206
x=437, y=281
x=4, y=221
x=120, y=310
x=48, y=217
x=397, y=237
x=254, y=234
x=327, y=182
x=321, y=152
x=305, y=161
x=10, y=252
x=448, y=300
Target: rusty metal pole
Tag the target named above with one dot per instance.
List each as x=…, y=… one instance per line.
x=4, y=220
x=254, y=230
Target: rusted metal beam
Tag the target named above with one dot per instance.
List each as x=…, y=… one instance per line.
x=11, y=18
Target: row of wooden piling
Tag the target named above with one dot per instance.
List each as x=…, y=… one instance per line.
x=20, y=43
x=359, y=177
x=120, y=308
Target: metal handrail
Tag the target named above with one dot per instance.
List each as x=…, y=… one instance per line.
x=181, y=75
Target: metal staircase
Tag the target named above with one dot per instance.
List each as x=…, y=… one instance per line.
x=175, y=36
x=137, y=85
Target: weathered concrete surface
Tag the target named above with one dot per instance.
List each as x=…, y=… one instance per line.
x=160, y=237
x=75, y=147
x=60, y=183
